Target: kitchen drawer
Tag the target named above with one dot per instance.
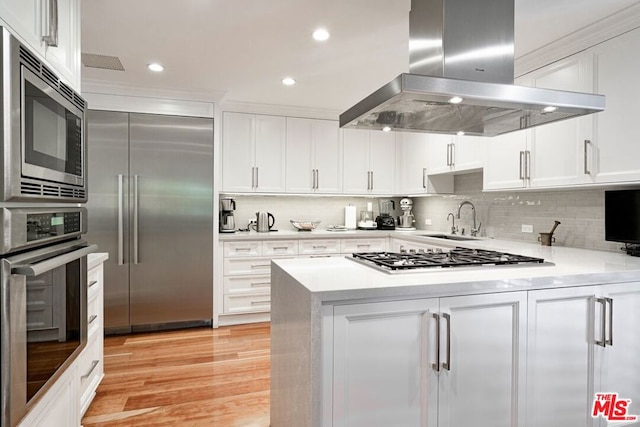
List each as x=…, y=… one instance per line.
x=235, y=304
x=243, y=249
x=280, y=247
x=349, y=246
x=90, y=370
x=39, y=317
x=94, y=315
x=313, y=247
x=248, y=266
x=246, y=284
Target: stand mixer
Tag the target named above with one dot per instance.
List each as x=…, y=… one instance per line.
x=406, y=220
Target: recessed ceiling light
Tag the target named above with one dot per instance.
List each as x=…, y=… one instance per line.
x=549, y=109
x=154, y=66
x=460, y=133
x=288, y=81
x=455, y=100
x=386, y=129
x=321, y=34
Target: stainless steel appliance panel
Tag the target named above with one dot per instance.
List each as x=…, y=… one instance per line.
x=171, y=202
x=108, y=135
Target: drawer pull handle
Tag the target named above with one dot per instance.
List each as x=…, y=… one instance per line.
x=260, y=302
x=260, y=265
x=364, y=246
x=260, y=283
x=93, y=282
x=280, y=248
x=92, y=318
x=243, y=249
x=94, y=365
x=319, y=247
x=320, y=256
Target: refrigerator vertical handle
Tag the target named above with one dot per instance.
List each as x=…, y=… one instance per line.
x=136, y=179
x=120, y=220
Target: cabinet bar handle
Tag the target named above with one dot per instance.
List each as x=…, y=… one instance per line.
x=92, y=318
x=436, y=366
x=372, y=180
x=447, y=365
x=93, y=282
x=364, y=246
x=319, y=247
x=260, y=302
x=320, y=256
x=260, y=283
x=317, y=179
x=257, y=176
x=521, y=165
x=243, y=249
x=253, y=177
x=260, y=265
x=280, y=248
x=51, y=38
x=424, y=177
x=94, y=364
x=603, y=323
x=453, y=154
x=527, y=164
x=586, y=157
x=610, y=342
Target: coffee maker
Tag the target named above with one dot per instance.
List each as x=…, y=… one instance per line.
x=385, y=220
x=227, y=221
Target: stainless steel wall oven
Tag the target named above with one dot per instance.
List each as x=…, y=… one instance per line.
x=43, y=130
x=43, y=302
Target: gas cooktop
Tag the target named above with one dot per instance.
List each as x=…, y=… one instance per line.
x=396, y=262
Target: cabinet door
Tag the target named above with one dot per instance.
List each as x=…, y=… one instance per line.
x=439, y=156
x=616, y=71
x=356, y=161
x=238, y=156
x=503, y=167
x=557, y=149
x=24, y=17
x=270, y=154
x=413, y=149
x=65, y=57
x=299, y=155
x=382, y=364
x=468, y=152
x=621, y=363
x=382, y=162
x=484, y=382
x=561, y=357
x=328, y=156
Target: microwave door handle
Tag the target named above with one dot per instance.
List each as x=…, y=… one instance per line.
x=120, y=220
x=135, y=218
x=39, y=268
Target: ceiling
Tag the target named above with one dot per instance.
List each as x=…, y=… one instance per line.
x=239, y=50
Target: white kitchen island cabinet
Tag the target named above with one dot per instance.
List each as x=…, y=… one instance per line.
x=430, y=362
x=354, y=346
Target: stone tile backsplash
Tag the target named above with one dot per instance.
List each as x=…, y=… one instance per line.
x=581, y=212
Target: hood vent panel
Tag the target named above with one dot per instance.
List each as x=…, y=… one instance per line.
x=464, y=49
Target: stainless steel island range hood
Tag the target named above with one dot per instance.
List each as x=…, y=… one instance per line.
x=461, y=62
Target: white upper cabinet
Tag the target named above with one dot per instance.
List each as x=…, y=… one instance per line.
x=414, y=151
x=253, y=153
x=449, y=153
x=505, y=160
x=33, y=21
x=369, y=162
x=616, y=151
x=313, y=156
x=558, y=150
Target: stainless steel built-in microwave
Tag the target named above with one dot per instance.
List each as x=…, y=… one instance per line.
x=43, y=130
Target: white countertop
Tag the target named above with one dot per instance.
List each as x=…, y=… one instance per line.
x=96, y=259
x=294, y=234
x=332, y=279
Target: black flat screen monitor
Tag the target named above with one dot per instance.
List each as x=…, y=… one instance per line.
x=622, y=216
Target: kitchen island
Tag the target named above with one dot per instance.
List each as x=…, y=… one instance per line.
x=482, y=346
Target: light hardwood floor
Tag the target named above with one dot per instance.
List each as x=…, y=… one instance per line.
x=195, y=377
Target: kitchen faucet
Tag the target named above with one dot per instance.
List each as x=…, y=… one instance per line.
x=454, y=229
x=474, y=229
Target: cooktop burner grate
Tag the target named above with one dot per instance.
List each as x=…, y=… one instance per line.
x=458, y=257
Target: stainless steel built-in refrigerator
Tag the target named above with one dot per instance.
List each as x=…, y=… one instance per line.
x=150, y=206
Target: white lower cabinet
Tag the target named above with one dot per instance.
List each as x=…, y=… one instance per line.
x=430, y=362
x=579, y=345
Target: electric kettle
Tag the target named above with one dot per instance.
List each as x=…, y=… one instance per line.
x=264, y=222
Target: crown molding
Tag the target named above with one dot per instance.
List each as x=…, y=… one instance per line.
x=279, y=110
x=607, y=28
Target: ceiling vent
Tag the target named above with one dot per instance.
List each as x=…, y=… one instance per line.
x=106, y=62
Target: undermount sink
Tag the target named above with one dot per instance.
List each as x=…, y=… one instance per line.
x=449, y=237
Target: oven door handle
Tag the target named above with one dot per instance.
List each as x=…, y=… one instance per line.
x=51, y=263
